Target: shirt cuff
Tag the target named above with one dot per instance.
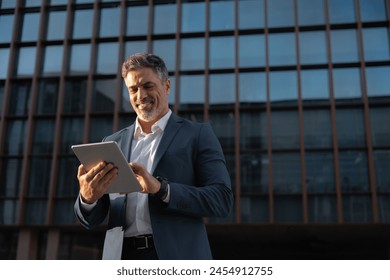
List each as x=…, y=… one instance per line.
x=87, y=206
x=166, y=199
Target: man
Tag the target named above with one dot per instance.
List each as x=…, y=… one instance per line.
x=180, y=166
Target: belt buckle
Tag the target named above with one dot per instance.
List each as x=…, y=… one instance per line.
x=146, y=242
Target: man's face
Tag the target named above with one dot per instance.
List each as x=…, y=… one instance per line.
x=148, y=94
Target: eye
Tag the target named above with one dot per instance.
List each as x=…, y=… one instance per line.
x=148, y=86
x=133, y=90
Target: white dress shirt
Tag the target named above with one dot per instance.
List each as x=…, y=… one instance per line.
x=143, y=152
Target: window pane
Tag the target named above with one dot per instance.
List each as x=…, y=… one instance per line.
x=341, y=11
x=164, y=20
x=103, y=99
x=284, y=130
x=280, y=13
x=30, y=27
x=319, y=172
x=32, y=3
x=382, y=167
x=47, y=97
x=109, y=22
x=20, y=99
x=312, y=47
x=52, y=64
x=282, y=49
x=43, y=140
x=254, y=209
x=10, y=177
x=26, y=61
x=286, y=172
x=193, y=17
x=221, y=52
x=82, y=24
x=222, y=89
x=378, y=81
x=317, y=128
x=135, y=47
x=353, y=171
x=107, y=64
x=223, y=126
x=322, y=209
x=251, y=14
x=192, y=90
x=137, y=20
x=1, y=97
x=380, y=120
x=8, y=215
x=376, y=44
x=72, y=133
x=192, y=54
x=384, y=208
x=222, y=15
x=350, y=128
x=6, y=23
x=346, y=83
x=39, y=176
x=252, y=87
x=67, y=183
x=344, y=45
x=15, y=140
x=125, y=105
x=75, y=93
x=36, y=211
x=166, y=49
x=8, y=4
x=4, y=58
x=357, y=209
x=314, y=85
x=311, y=12
x=283, y=86
x=56, y=25
x=100, y=127
x=288, y=209
x=80, y=57
x=253, y=133
x=373, y=10
x=251, y=50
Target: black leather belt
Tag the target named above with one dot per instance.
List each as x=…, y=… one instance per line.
x=139, y=242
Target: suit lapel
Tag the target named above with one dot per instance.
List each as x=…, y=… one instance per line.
x=125, y=142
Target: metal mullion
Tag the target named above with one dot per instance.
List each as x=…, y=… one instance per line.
x=336, y=168
x=58, y=126
x=368, y=132
x=25, y=174
x=300, y=119
x=268, y=111
x=206, y=106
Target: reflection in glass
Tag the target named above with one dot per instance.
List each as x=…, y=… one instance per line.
x=80, y=57
x=193, y=18
x=286, y=172
x=192, y=54
x=222, y=89
x=109, y=22
x=15, y=137
x=251, y=14
x=26, y=61
x=341, y=11
x=103, y=99
x=10, y=177
x=56, y=25
x=346, y=83
x=72, y=133
x=280, y=13
x=284, y=130
x=314, y=84
x=251, y=50
x=322, y=209
x=254, y=209
x=30, y=27
x=311, y=12
x=252, y=87
x=52, y=64
x=192, y=90
x=380, y=128
x=82, y=24
x=43, y=139
x=357, y=209
x=378, y=81
x=47, y=97
x=137, y=20
x=319, y=172
x=376, y=44
x=6, y=23
x=224, y=128
x=344, y=45
x=373, y=10
x=253, y=133
x=282, y=49
x=222, y=52
x=317, y=128
x=312, y=47
x=288, y=209
x=4, y=58
x=100, y=128
x=283, y=86
x=164, y=20
x=75, y=93
x=382, y=167
x=166, y=49
x=222, y=15
x=353, y=171
x=20, y=99
x=107, y=64
x=254, y=172
x=350, y=128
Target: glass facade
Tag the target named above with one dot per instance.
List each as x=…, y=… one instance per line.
x=297, y=92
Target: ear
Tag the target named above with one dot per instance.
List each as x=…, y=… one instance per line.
x=168, y=86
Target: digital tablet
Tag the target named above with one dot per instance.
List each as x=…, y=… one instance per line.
x=91, y=154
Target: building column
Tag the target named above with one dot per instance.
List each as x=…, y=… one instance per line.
x=27, y=245
x=53, y=242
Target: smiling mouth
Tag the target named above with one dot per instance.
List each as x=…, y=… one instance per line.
x=145, y=105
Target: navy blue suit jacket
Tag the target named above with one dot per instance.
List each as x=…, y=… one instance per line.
x=191, y=158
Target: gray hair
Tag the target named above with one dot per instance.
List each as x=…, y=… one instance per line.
x=145, y=60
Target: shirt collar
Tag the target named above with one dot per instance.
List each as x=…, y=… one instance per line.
x=159, y=125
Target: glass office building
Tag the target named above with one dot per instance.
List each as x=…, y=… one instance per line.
x=297, y=91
